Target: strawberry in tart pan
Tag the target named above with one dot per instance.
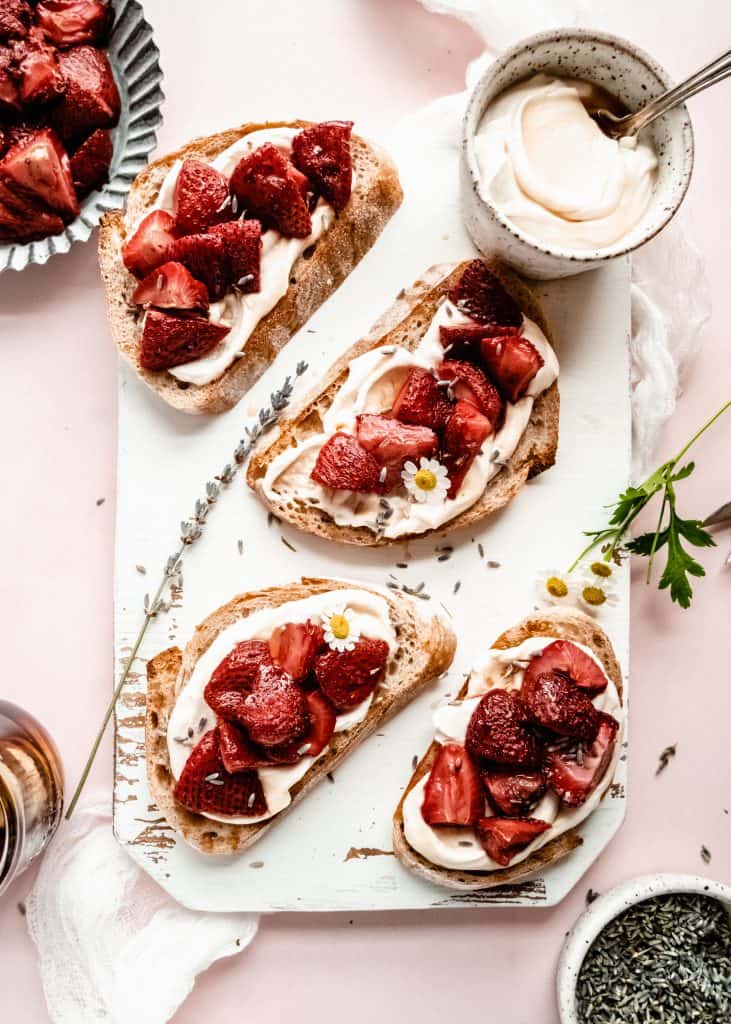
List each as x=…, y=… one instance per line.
x=434, y=420
x=271, y=693
x=230, y=244
x=519, y=760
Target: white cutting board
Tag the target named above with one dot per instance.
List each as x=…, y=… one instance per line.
x=332, y=852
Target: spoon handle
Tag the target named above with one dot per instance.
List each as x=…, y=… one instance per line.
x=713, y=72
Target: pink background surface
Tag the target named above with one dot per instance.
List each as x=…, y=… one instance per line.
x=372, y=61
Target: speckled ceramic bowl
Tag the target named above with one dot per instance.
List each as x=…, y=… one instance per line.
x=630, y=75
x=604, y=909
x=135, y=63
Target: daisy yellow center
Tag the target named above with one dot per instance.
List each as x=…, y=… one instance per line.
x=556, y=587
x=340, y=627
x=601, y=569
x=425, y=480
x=594, y=595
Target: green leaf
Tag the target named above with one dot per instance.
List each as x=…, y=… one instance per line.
x=684, y=472
x=679, y=566
x=630, y=499
x=692, y=530
x=643, y=544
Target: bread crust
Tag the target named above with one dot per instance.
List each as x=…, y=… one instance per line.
x=404, y=324
x=560, y=624
x=317, y=273
x=425, y=651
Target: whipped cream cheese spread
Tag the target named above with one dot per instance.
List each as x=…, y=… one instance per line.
x=374, y=380
x=371, y=616
x=457, y=846
x=549, y=169
x=242, y=313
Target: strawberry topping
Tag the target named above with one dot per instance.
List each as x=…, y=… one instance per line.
x=322, y=726
x=237, y=752
x=37, y=166
x=242, y=239
x=391, y=443
x=421, y=401
x=271, y=189
x=462, y=341
x=453, y=794
x=23, y=220
x=294, y=646
x=497, y=731
x=512, y=793
x=235, y=677
x=469, y=384
x=275, y=711
x=71, y=22
x=502, y=838
x=512, y=362
x=9, y=91
x=348, y=677
x=344, y=464
x=171, y=286
x=90, y=163
x=206, y=787
x=206, y=258
x=150, y=245
x=91, y=99
x=574, y=771
x=15, y=17
x=563, y=656
x=323, y=154
x=41, y=80
x=201, y=197
x=555, y=702
x=466, y=431
x=173, y=340
x=480, y=295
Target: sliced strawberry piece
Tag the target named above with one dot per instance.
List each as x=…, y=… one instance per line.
x=90, y=163
x=38, y=166
x=9, y=82
x=205, y=787
x=462, y=341
x=453, y=794
x=238, y=753
x=24, y=221
x=275, y=711
x=15, y=19
x=242, y=239
x=555, y=702
x=91, y=98
x=502, y=838
x=322, y=152
x=271, y=189
x=169, y=341
x=512, y=362
x=498, y=732
x=464, y=434
x=391, y=443
x=422, y=401
x=206, y=258
x=171, y=286
x=563, y=656
x=201, y=197
x=41, y=80
x=295, y=645
x=344, y=464
x=72, y=22
x=480, y=295
x=235, y=677
x=150, y=245
x=322, y=726
x=512, y=793
x=574, y=772
x=348, y=677
x=469, y=384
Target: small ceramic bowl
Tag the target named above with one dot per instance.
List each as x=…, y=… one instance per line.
x=633, y=78
x=604, y=909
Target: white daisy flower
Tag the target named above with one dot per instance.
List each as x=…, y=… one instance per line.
x=595, y=589
x=341, y=631
x=426, y=482
x=556, y=587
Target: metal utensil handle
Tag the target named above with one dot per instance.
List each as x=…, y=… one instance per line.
x=713, y=72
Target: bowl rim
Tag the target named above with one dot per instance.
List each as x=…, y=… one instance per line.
x=605, y=909
x=578, y=256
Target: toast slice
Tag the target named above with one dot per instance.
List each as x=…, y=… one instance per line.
x=316, y=274
x=426, y=649
x=559, y=624
x=404, y=324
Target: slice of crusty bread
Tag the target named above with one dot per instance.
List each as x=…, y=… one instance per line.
x=315, y=275
x=562, y=625
x=404, y=324
x=426, y=649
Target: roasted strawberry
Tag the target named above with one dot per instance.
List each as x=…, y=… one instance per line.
x=205, y=787
x=512, y=362
x=15, y=19
x=72, y=22
x=171, y=286
x=391, y=443
x=462, y=341
x=464, y=434
x=469, y=384
x=150, y=245
x=235, y=677
x=573, y=770
x=498, y=732
x=502, y=838
x=9, y=82
x=271, y=189
x=242, y=239
x=422, y=401
x=90, y=99
x=169, y=340
x=90, y=163
x=453, y=794
x=348, y=677
x=206, y=258
x=563, y=656
x=344, y=464
x=510, y=792
x=479, y=294
x=294, y=647
x=37, y=166
x=238, y=753
x=555, y=702
x=323, y=154
x=275, y=711
x=321, y=727
x=201, y=197
x=40, y=76
x=22, y=220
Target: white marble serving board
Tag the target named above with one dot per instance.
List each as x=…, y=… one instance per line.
x=333, y=851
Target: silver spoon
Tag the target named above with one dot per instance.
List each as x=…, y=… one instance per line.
x=630, y=124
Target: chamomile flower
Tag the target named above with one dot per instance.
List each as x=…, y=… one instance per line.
x=556, y=587
x=596, y=590
x=341, y=631
x=427, y=482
